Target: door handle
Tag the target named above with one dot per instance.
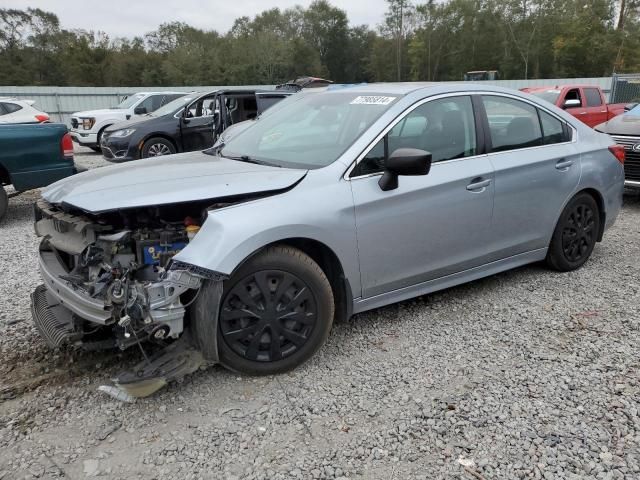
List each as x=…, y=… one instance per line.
x=477, y=184
x=564, y=164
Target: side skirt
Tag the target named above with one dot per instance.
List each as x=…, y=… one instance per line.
x=361, y=305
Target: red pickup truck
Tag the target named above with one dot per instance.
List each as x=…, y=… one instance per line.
x=585, y=102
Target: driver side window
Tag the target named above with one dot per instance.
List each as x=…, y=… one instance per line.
x=444, y=127
x=202, y=108
x=574, y=94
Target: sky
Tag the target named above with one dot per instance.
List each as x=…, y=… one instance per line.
x=129, y=18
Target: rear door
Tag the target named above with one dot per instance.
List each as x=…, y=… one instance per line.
x=433, y=225
x=197, y=124
x=537, y=168
x=595, y=107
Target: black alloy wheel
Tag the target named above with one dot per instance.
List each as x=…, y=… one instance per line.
x=275, y=312
x=578, y=235
x=575, y=235
x=268, y=315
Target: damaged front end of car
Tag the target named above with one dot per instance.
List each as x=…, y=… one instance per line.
x=109, y=280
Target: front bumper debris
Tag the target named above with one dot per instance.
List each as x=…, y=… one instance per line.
x=53, y=321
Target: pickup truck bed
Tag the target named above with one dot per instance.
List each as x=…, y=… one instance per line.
x=33, y=156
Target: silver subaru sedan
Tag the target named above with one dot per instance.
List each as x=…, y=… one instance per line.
x=336, y=203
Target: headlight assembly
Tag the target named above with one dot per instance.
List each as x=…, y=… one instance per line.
x=125, y=132
x=88, y=123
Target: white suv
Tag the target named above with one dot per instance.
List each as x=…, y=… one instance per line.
x=20, y=111
x=87, y=127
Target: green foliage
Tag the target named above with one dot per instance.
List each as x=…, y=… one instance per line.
x=416, y=40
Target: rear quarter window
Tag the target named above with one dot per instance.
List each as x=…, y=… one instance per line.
x=11, y=107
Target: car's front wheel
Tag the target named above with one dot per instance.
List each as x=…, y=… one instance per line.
x=156, y=147
x=275, y=312
x=575, y=235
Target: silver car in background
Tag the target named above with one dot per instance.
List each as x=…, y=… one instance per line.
x=336, y=203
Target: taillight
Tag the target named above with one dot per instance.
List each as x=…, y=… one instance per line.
x=618, y=152
x=66, y=145
x=41, y=117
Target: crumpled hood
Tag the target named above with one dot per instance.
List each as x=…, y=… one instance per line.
x=164, y=180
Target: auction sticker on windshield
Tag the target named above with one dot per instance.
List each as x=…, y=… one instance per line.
x=372, y=100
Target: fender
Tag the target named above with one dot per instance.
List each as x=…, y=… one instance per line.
x=232, y=234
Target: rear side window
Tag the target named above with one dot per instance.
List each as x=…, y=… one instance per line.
x=553, y=130
x=513, y=124
x=592, y=95
x=11, y=107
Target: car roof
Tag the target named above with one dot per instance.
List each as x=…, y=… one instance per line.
x=406, y=88
x=558, y=87
x=157, y=93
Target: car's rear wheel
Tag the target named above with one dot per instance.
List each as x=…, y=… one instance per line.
x=575, y=235
x=4, y=202
x=157, y=147
x=275, y=312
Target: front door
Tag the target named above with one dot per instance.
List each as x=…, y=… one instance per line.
x=433, y=225
x=197, y=124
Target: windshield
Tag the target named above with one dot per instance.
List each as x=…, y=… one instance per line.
x=311, y=132
x=549, y=95
x=130, y=101
x=173, y=106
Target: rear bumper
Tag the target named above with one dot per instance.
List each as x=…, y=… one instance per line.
x=31, y=179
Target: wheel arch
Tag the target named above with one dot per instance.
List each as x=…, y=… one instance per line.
x=330, y=264
x=157, y=135
x=597, y=196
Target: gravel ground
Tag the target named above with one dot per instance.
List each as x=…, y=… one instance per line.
x=526, y=374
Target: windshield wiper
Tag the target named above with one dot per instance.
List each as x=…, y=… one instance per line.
x=248, y=159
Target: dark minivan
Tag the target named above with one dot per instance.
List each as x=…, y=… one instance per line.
x=187, y=124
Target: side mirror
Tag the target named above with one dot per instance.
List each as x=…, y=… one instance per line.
x=572, y=103
x=630, y=106
x=406, y=162
x=140, y=110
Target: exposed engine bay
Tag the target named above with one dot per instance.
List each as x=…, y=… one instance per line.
x=115, y=275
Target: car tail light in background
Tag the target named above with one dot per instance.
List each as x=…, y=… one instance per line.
x=66, y=145
x=618, y=152
x=41, y=117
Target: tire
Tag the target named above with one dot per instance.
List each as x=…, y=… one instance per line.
x=156, y=147
x=575, y=235
x=4, y=202
x=299, y=308
x=98, y=148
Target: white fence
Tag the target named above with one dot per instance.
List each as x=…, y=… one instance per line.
x=61, y=102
